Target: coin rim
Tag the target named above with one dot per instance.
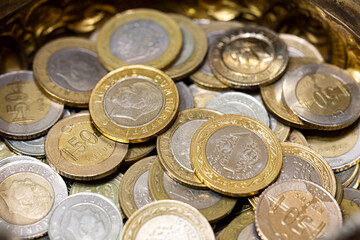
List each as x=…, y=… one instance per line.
x=233, y=230
x=22, y=151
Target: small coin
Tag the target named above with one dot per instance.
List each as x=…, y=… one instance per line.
x=139, y=150
x=193, y=51
x=296, y=136
x=139, y=36
x=67, y=69
x=350, y=204
x=235, y=155
x=323, y=96
x=78, y=151
x=168, y=219
x=248, y=57
x=25, y=112
x=134, y=103
x=4, y=150
x=356, y=181
x=15, y=158
x=29, y=192
x=85, y=216
x=186, y=99
x=134, y=190
x=173, y=146
x=294, y=202
x=33, y=147
x=348, y=175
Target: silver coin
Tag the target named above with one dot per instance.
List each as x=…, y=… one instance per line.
x=239, y=103
x=249, y=233
x=24, y=111
x=299, y=47
x=186, y=99
x=30, y=190
x=34, y=147
x=85, y=216
x=345, y=175
x=11, y=159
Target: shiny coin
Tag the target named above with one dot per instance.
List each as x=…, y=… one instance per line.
x=139, y=150
x=193, y=51
x=67, y=69
x=350, y=204
x=25, y=112
x=209, y=203
x=248, y=57
x=133, y=190
x=356, y=181
x=296, y=136
x=323, y=96
x=348, y=175
x=34, y=147
x=29, y=192
x=300, y=48
x=11, y=159
x=297, y=209
x=186, y=99
x=235, y=155
x=78, y=151
x=4, y=150
x=139, y=36
x=85, y=216
x=134, y=104
x=167, y=219
x=173, y=146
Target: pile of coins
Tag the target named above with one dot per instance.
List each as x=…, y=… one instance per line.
x=163, y=127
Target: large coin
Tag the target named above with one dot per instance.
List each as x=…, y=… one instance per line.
x=300, y=48
x=348, y=175
x=134, y=104
x=350, y=204
x=33, y=147
x=167, y=219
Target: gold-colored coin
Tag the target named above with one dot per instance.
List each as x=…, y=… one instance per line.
x=139, y=150
x=236, y=155
x=348, y=175
x=67, y=69
x=236, y=227
x=339, y=190
x=76, y=150
x=139, y=36
x=209, y=203
x=173, y=146
x=193, y=51
x=296, y=136
x=355, y=183
x=350, y=204
x=134, y=104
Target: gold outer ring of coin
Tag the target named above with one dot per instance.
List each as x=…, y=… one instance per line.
x=78, y=144
x=111, y=62
x=139, y=150
x=141, y=133
x=352, y=177
x=48, y=86
x=235, y=227
x=339, y=191
x=190, y=64
x=158, y=192
x=226, y=186
x=166, y=156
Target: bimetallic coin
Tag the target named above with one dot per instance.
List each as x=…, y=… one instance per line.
x=139, y=36
x=167, y=219
x=348, y=175
x=173, y=146
x=15, y=158
x=34, y=147
x=29, y=192
x=296, y=136
x=297, y=209
x=4, y=150
x=323, y=96
x=186, y=99
x=134, y=104
x=85, y=216
x=300, y=48
x=134, y=190
x=350, y=204
x=139, y=150
x=25, y=112
x=67, y=69
x=235, y=155
x=248, y=57
x=78, y=151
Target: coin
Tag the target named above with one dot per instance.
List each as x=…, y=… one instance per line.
x=296, y=136
x=201, y=95
x=134, y=103
x=167, y=219
x=173, y=146
x=306, y=210
x=139, y=150
x=248, y=57
x=67, y=69
x=139, y=36
x=348, y=175
x=134, y=190
x=356, y=181
x=25, y=112
x=193, y=51
x=78, y=151
x=281, y=130
x=29, y=190
x=235, y=155
x=350, y=204
x=85, y=216
x=204, y=76
x=354, y=73
x=186, y=99
x=323, y=96
x=33, y=147
x=16, y=158
x=4, y=150
x=339, y=190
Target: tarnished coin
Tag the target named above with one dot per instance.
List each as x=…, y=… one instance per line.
x=85, y=216
x=323, y=96
x=193, y=50
x=134, y=103
x=248, y=57
x=348, y=175
x=186, y=99
x=167, y=219
x=296, y=136
x=11, y=159
x=173, y=146
x=350, y=204
x=297, y=209
x=134, y=190
x=29, y=192
x=78, y=151
x=209, y=203
x=235, y=155
x=139, y=36
x=67, y=69
x=33, y=147
x=25, y=112
x=4, y=150
x=139, y=150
